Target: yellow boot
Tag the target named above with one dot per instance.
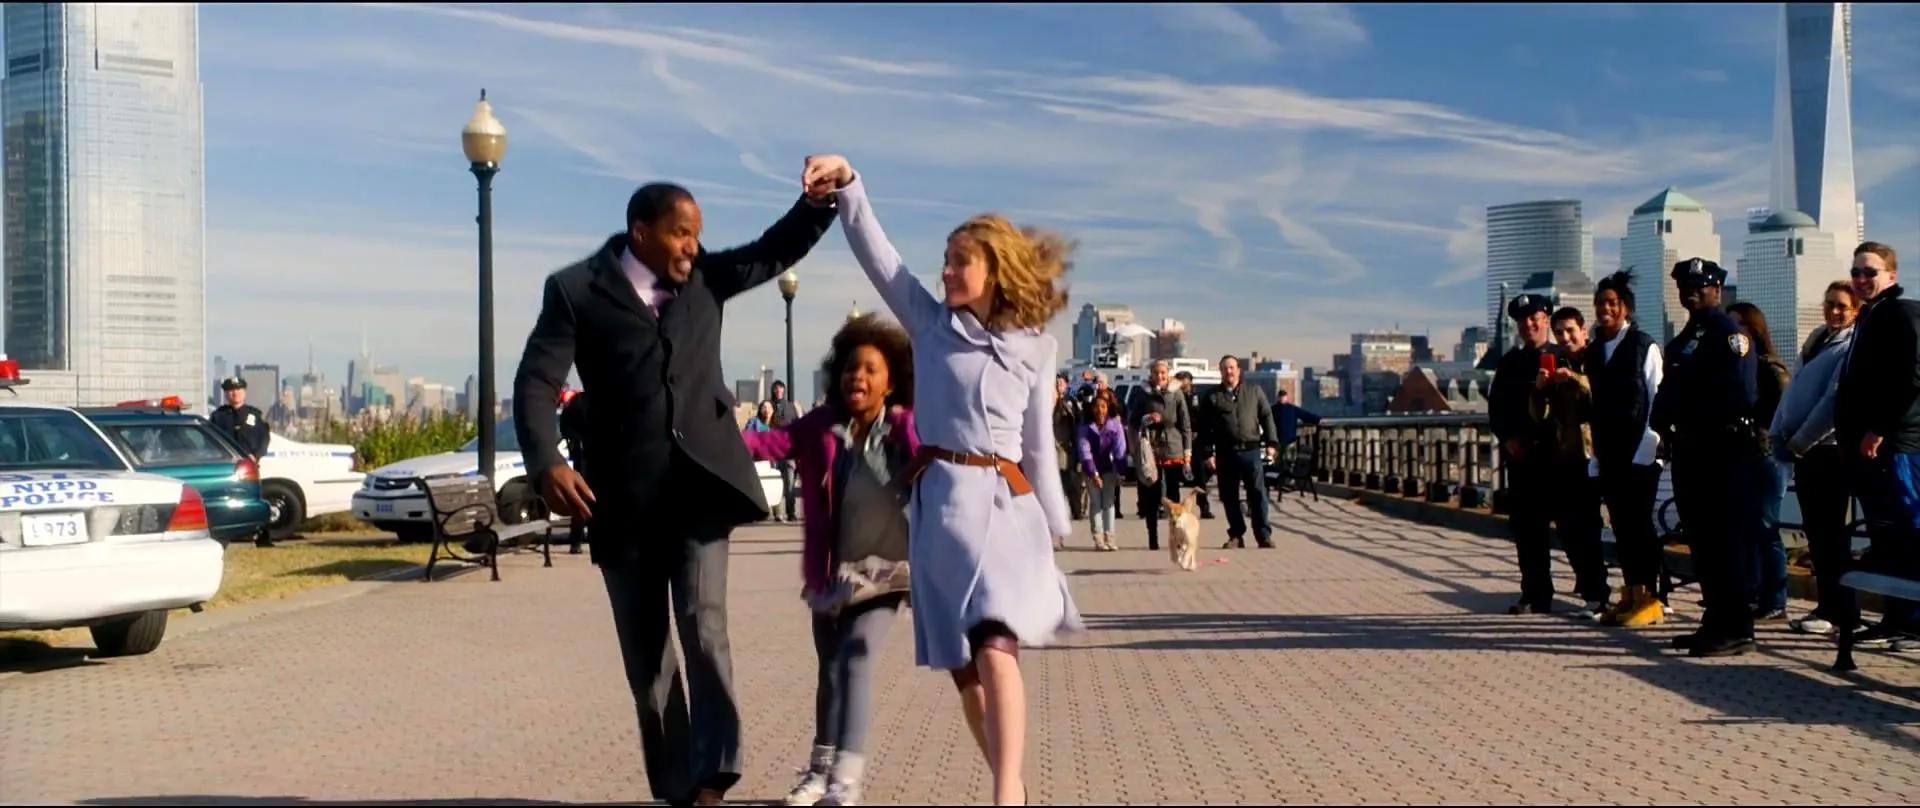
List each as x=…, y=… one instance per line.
x=1645, y=611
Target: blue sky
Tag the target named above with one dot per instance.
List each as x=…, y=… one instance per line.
x=1275, y=176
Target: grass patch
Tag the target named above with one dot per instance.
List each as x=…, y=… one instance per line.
x=256, y=574
x=342, y=522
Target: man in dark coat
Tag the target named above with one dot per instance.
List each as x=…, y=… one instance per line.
x=640, y=320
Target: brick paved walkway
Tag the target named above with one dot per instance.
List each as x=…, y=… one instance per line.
x=1364, y=660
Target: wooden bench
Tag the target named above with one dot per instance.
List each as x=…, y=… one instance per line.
x=465, y=509
x=1878, y=583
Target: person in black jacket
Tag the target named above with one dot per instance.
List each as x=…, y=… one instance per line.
x=667, y=475
x=1704, y=411
x=1202, y=476
x=1539, y=468
x=1876, y=418
x=573, y=430
x=1067, y=417
x=1624, y=367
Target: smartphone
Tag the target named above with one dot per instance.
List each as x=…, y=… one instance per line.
x=1546, y=362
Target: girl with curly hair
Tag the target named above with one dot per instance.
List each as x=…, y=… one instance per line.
x=852, y=454
x=987, y=502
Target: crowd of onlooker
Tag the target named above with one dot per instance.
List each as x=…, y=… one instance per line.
x=1591, y=413
x=1170, y=436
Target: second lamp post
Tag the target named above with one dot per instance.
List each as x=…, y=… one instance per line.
x=789, y=286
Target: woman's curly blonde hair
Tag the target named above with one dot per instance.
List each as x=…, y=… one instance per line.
x=1025, y=266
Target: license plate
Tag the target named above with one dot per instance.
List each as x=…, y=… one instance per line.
x=383, y=507
x=45, y=530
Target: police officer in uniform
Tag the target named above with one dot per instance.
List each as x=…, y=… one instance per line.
x=1538, y=464
x=246, y=424
x=1704, y=413
x=573, y=430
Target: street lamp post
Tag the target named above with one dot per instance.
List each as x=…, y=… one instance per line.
x=484, y=141
x=789, y=286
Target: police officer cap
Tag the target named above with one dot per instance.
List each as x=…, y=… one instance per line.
x=1524, y=306
x=233, y=383
x=1699, y=272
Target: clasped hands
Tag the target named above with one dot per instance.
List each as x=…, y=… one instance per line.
x=824, y=174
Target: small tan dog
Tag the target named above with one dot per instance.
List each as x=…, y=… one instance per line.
x=1184, y=528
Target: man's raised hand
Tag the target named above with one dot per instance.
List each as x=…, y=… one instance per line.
x=824, y=174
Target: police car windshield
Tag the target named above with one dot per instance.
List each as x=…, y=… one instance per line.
x=52, y=440
x=504, y=438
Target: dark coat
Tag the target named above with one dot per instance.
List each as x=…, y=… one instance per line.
x=666, y=454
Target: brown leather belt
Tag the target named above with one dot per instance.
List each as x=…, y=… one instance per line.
x=1009, y=470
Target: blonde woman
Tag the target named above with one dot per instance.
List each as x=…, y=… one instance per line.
x=987, y=503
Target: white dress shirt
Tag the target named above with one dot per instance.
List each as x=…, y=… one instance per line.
x=645, y=282
x=1653, y=371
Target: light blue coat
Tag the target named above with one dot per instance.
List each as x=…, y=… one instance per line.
x=1805, y=417
x=978, y=552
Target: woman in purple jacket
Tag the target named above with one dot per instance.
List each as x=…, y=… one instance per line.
x=849, y=453
x=1103, y=453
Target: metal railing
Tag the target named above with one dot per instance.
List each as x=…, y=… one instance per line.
x=1452, y=459
x=1439, y=458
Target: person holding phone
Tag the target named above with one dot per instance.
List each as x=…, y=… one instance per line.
x=1538, y=408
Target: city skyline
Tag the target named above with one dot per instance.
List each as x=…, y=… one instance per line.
x=1325, y=193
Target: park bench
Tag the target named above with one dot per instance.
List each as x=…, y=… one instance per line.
x=465, y=510
x=1878, y=583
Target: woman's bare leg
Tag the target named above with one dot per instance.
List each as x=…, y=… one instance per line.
x=1006, y=723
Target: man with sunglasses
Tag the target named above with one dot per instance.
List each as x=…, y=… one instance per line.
x=1876, y=418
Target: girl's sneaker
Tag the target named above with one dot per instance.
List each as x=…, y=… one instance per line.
x=814, y=779
x=841, y=793
x=810, y=790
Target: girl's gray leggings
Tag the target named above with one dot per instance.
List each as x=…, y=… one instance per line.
x=847, y=644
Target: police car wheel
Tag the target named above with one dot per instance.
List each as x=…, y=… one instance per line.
x=518, y=504
x=130, y=635
x=286, y=509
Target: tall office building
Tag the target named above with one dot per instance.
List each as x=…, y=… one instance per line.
x=100, y=116
x=1786, y=264
x=1813, y=121
x=1665, y=230
x=1532, y=237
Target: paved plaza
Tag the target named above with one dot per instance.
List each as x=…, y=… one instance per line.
x=1364, y=660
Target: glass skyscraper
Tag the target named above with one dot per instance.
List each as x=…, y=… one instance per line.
x=1813, y=121
x=105, y=274
x=1525, y=238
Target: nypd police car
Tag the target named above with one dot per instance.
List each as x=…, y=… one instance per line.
x=300, y=481
x=390, y=499
x=86, y=542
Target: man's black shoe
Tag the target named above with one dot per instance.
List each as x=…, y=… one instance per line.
x=1235, y=543
x=1685, y=641
x=1528, y=607
x=263, y=541
x=1721, y=646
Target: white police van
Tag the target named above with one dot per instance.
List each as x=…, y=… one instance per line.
x=391, y=501
x=86, y=542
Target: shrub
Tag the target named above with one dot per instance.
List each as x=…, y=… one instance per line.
x=382, y=442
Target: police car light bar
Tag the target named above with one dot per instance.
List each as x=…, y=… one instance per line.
x=167, y=403
x=10, y=373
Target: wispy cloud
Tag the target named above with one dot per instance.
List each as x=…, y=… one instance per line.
x=1227, y=27
x=1328, y=27
x=1250, y=202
